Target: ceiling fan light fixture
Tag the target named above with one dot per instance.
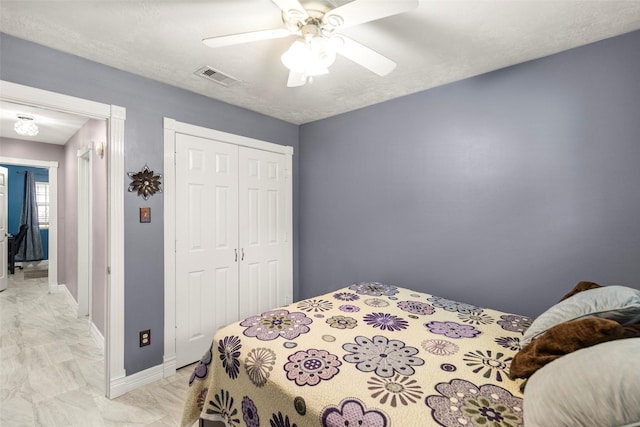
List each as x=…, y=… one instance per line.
x=25, y=126
x=322, y=52
x=312, y=56
x=295, y=58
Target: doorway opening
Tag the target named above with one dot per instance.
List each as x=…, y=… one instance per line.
x=52, y=244
x=114, y=266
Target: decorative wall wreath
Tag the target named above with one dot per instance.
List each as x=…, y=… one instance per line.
x=145, y=182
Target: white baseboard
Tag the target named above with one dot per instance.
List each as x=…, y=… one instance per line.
x=63, y=288
x=123, y=385
x=93, y=329
x=53, y=280
x=53, y=286
x=169, y=365
x=97, y=336
x=129, y=383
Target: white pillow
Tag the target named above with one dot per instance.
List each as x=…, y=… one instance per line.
x=594, y=386
x=619, y=303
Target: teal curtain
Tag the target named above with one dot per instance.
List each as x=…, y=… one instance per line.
x=31, y=248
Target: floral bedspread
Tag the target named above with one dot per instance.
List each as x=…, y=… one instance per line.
x=370, y=354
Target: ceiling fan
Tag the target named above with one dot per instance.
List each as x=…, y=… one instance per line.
x=318, y=42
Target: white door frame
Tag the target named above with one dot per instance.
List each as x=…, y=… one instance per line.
x=85, y=257
x=171, y=127
x=115, y=375
x=52, y=167
x=4, y=233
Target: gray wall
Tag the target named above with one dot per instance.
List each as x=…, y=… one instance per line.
x=503, y=190
x=147, y=102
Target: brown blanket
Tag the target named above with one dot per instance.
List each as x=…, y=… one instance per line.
x=581, y=286
x=566, y=338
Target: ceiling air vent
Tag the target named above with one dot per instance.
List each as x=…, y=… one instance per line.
x=216, y=76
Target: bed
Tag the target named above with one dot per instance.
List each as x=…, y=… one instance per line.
x=369, y=354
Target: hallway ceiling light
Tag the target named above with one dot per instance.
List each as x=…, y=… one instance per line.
x=25, y=126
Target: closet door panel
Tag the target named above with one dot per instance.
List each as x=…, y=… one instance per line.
x=263, y=223
x=206, y=242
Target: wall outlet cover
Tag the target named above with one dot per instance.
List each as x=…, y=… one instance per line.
x=145, y=338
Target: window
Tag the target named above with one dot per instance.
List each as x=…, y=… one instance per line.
x=42, y=200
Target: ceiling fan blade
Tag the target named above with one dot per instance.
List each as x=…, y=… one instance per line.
x=361, y=11
x=296, y=79
x=252, y=36
x=292, y=8
x=360, y=54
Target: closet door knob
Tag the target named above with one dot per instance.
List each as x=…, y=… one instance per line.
x=236, y=251
x=242, y=258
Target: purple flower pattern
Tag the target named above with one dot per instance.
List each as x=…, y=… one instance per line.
x=515, y=323
x=487, y=363
x=250, y=413
x=202, y=398
x=279, y=420
x=512, y=343
x=229, y=349
x=452, y=329
x=398, y=389
x=277, y=323
x=202, y=369
x=311, y=366
x=223, y=405
x=450, y=305
x=315, y=305
x=385, y=321
x=474, y=406
x=375, y=289
x=383, y=356
x=440, y=347
x=342, y=322
x=352, y=412
x=376, y=302
x=416, y=307
x=349, y=308
x=346, y=296
x=476, y=318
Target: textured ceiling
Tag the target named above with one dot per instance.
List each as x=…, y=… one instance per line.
x=437, y=43
x=54, y=127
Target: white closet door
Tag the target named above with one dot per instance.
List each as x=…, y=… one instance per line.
x=265, y=267
x=206, y=242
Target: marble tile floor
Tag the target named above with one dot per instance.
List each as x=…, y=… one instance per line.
x=52, y=370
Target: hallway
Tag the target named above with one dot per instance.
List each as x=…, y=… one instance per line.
x=52, y=370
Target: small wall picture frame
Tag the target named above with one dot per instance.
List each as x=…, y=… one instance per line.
x=145, y=214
